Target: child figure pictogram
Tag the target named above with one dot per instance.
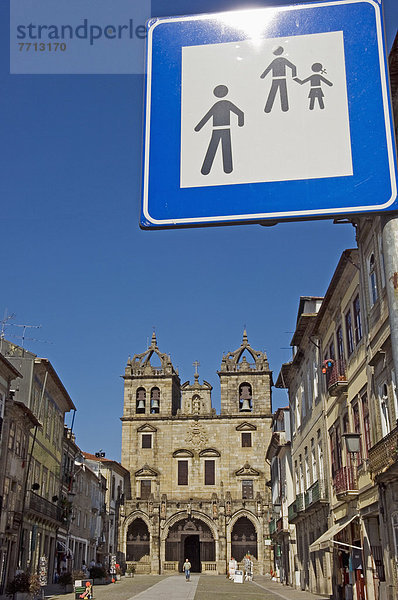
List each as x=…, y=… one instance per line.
x=316, y=81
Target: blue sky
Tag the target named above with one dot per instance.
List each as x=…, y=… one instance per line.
x=75, y=261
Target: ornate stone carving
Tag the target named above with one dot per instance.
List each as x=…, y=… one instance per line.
x=196, y=436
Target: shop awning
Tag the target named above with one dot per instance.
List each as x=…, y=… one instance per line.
x=326, y=538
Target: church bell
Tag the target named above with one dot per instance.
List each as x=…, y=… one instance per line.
x=245, y=406
x=141, y=405
x=155, y=404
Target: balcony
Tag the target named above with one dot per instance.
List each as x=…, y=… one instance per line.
x=43, y=507
x=336, y=379
x=384, y=454
x=316, y=494
x=296, y=508
x=282, y=525
x=345, y=483
x=272, y=526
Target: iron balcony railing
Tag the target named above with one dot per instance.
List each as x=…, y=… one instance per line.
x=385, y=453
x=272, y=526
x=295, y=508
x=345, y=482
x=336, y=376
x=316, y=493
x=43, y=507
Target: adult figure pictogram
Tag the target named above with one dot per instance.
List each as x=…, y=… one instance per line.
x=278, y=67
x=220, y=112
x=316, y=81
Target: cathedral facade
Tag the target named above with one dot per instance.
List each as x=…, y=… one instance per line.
x=198, y=479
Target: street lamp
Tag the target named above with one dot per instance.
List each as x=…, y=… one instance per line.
x=352, y=442
x=353, y=446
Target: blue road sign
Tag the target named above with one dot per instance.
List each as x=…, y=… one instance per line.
x=267, y=115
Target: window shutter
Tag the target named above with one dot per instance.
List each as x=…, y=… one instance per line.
x=209, y=472
x=182, y=472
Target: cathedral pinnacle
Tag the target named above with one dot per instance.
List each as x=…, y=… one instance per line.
x=154, y=342
x=244, y=341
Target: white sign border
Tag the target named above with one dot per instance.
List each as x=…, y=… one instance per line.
x=274, y=215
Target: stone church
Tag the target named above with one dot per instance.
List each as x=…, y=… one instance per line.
x=198, y=479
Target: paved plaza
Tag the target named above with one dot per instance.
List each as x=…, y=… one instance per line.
x=201, y=587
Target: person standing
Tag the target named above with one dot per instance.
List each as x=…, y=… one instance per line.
x=187, y=569
x=220, y=112
x=278, y=68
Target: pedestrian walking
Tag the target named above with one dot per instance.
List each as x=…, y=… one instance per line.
x=187, y=569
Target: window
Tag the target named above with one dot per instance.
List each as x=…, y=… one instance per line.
x=44, y=482
x=307, y=469
x=182, y=472
x=357, y=320
x=245, y=397
x=247, y=489
x=2, y=404
x=313, y=461
x=140, y=401
x=301, y=474
x=384, y=410
x=348, y=331
x=315, y=385
x=246, y=440
x=146, y=440
x=382, y=265
x=320, y=456
x=210, y=477
x=11, y=436
x=335, y=449
x=394, y=394
x=340, y=342
x=296, y=473
x=113, y=486
x=366, y=422
x=373, y=294
x=145, y=489
x=18, y=440
x=357, y=429
x=155, y=400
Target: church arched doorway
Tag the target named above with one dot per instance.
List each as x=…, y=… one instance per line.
x=243, y=539
x=192, y=539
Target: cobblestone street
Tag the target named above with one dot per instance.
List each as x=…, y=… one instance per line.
x=201, y=587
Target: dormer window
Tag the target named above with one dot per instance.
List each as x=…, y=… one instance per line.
x=140, y=401
x=245, y=397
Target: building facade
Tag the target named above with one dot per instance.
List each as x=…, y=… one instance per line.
x=198, y=479
x=42, y=391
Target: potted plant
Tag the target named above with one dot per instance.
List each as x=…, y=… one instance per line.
x=98, y=574
x=130, y=570
x=65, y=579
x=23, y=586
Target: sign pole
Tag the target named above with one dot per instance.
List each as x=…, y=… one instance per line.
x=390, y=252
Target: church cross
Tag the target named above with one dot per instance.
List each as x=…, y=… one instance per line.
x=196, y=364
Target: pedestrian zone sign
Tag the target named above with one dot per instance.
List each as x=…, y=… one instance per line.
x=274, y=114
